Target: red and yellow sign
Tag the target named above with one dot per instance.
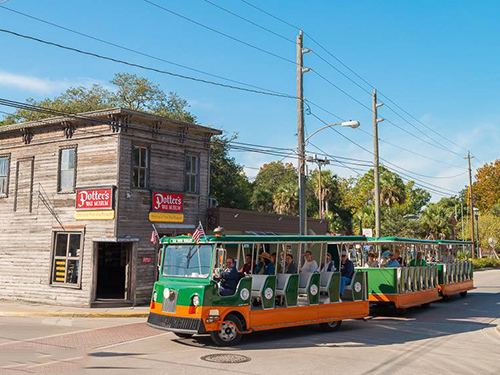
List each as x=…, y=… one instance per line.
x=166, y=217
x=95, y=215
x=94, y=199
x=166, y=202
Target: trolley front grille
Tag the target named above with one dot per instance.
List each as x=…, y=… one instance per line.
x=174, y=322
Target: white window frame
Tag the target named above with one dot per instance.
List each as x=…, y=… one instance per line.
x=59, y=258
x=5, y=193
x=138, y=168
x=59, y=170
x=188, y=174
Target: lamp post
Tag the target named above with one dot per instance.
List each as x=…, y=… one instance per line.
x=476, y=214
x=346, y=124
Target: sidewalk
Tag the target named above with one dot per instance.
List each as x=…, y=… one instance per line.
x=20, y=308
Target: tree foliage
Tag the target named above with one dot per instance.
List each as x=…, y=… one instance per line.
x=228, y=183
x=486, y=189
x=129, y=91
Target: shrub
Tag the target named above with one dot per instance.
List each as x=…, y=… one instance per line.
x=486, y=263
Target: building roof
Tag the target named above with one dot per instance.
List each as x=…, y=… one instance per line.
x=100, y=113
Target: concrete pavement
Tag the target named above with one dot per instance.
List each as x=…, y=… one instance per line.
x=18, y=308
x=455, y=337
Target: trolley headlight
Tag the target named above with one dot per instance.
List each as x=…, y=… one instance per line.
x=166, y=293
x=196, y=300
x=155, y=296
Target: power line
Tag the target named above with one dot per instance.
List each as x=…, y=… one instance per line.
x=103, y=57
x=413, y=152
x=220, y=32
x=380, y=139
x=370, y=152
x=250, y=22
x=358, y=76
x=134, y=50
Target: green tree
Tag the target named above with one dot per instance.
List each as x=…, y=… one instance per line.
x=269, y=180
x=228, y=183
x=437, y=221
x=132, y=92
x=416, y=198
x=486, y=189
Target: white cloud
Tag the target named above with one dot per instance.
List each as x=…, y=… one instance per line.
x=38, y=85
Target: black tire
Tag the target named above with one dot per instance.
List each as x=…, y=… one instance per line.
x=425, y=305
x=183, y=335
x=331, y=326
x=463, y=294
x=446, y=298
x=230, y=333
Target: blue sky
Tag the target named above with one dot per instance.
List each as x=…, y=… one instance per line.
x=437, y=60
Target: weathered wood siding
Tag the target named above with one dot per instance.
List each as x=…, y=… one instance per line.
x=168, y=147
x=26, y=223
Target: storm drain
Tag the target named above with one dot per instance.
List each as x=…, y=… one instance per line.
x=226, y=358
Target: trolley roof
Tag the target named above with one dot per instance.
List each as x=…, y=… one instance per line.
x=402, y=239
x=264, y=239
x=454, y=242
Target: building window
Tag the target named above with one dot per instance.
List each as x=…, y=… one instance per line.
x=67, y=168
x=4, y=175
x=191, y=177
x=141, y=168
x=67, y=255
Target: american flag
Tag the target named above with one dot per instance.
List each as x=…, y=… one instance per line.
x=198, y=233
x=154, y=235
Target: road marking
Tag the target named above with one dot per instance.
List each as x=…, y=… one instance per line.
x=131, y=341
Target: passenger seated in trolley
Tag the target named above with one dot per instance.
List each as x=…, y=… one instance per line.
x=266, y=266
x=447, y=257
x=372, y=261
x=392, y=262
x=346, y=271
x=290, y=266
x=247, y=267
x=329, y=266
x=229, y=279
x=397, y=255
x=418, y=261
x=310, y=264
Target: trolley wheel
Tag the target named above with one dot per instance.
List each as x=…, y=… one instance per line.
x=463, y=294
x=230, y=333
x=446, y=298
x=331, y=326
x=425, y=305
x=183, y=335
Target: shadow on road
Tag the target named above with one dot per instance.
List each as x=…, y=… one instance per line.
x=385, y=327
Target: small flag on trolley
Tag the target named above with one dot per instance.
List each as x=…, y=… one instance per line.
x=154, y=235
x=198, y=233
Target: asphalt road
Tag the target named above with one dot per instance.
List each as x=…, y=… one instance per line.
x=455, y=337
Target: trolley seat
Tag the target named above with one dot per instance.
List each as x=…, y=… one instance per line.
x=287, y=286
x=264, y=287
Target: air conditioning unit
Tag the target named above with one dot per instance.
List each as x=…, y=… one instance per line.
x=212, y=202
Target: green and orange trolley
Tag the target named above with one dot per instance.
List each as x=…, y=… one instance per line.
x=186, y=297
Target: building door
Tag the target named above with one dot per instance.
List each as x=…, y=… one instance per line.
x=113, y=269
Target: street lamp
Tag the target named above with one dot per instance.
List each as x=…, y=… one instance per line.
x=302, y=198
x=346, y=124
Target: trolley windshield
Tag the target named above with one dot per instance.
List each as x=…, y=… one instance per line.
x=187, y=260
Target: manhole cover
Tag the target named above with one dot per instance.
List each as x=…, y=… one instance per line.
x=226, y=358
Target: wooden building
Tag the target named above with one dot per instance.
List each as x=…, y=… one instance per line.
x=78, y=196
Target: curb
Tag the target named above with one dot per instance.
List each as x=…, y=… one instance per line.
x=74, y=314
x=498, y=328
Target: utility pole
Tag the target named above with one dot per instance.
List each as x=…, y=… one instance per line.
x=300, y=134
x=471, y=206
x=376, y=172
